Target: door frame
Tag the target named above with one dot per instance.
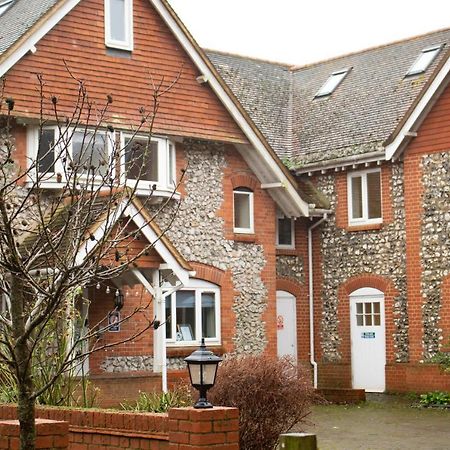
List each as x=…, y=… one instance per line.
x=364, y=294
x=280, y=293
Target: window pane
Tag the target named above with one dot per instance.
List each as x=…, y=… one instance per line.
x=359, y=321
x=185, y=315
x=368, y=319
x=117, y=20
x=359, y=308
x=285, y=231
x=169, y=316
x=241, y=210
x=376, y=319
x=357, y=210
x=208, y=315
x=141, y=159
x=374, y=194
x=368, y=308
x=376, y=307
x=46, y=153
x=91, y=151
x=171, y=165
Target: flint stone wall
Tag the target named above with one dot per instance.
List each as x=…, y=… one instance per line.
x=349, y=254
x=118, y=364
x=435, y=251
x=199, y=235
x=290, y=267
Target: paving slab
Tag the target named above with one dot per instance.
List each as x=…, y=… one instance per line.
x=382, y=423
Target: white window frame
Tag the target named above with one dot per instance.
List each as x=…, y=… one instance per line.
x=332, y=82
x=127, y=44
x=365, y=206
x=291, y=246
x=250, y=195
x=166, y=174
x=61, y=139
x=200, y=287
x=417, y=66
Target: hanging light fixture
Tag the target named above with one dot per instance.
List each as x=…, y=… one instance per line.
x=118, y=300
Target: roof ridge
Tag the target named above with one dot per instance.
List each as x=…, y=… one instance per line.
x=252, y=58
x=294, y=68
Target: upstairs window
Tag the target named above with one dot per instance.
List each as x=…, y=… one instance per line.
x=89, y=150
x=243, y=210
x=332, y=83
x=193, y=313
x=364, y=197
x=424, y=60
x=148, y=161
x=119, y=24
x=285, y=232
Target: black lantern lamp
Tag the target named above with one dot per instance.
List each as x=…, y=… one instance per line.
x=202, y=366
x=118, y=300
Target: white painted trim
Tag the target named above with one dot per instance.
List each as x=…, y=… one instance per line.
x=250, y=196
x=364, y=196
x=264, y=154
x=128, y=43
x=413, y=120
x=37, y=35
x=366, y=291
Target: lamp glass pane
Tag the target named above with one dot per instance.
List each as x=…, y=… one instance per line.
x=194, y=371
x=209, y=374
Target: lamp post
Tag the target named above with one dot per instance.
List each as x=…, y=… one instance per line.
x=202, y=366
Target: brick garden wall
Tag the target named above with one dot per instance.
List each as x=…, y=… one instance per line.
x=181, y=428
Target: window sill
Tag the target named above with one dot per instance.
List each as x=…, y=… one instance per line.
x=365, y=227
x=286, y=251
x=240, y=237
x=160, y=192
x=180, y=352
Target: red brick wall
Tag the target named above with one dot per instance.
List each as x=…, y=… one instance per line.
x=189, y=109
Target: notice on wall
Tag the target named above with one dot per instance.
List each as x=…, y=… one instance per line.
x=368, y=335
x=280, y=322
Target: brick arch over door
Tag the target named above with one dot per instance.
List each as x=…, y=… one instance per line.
x=300, y=293
x=384, y=285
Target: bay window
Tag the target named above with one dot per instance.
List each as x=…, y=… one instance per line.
x=364, y=197
x=193, y=313
x=148, y=161
x=243, y=210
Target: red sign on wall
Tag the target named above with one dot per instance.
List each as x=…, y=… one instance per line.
x=280, y=322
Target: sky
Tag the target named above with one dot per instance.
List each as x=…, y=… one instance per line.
x=301, y=32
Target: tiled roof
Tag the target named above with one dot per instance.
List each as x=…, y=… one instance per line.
x=357, y=118
x=19, y=18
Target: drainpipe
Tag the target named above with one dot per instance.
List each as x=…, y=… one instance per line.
x=311, y=298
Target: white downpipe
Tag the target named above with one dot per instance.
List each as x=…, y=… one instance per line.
x=311, y=299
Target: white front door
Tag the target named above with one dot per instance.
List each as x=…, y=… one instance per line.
x=368, y=340
x=286, y=325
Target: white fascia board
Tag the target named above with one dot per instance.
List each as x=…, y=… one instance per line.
x=30, y=43
x=230, y=106
x=405, y=132
x=181, y=273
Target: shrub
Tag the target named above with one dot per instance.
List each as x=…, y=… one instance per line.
x=272, y=396
x=160, y=402
x=435, y=399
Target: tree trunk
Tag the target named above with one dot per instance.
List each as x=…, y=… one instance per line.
x=22, y=356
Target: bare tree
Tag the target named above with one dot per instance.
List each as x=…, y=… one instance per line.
x=54, y=245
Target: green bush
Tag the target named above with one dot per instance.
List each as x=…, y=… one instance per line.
x=160, y=402
x=272, y=395
x=442, y=358
x=435, y=398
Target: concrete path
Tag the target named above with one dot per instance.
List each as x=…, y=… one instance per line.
x=382, y=423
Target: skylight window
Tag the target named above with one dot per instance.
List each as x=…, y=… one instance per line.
x=424, y=60
x=332, y=83
x=4, y=5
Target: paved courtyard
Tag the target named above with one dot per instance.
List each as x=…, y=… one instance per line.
x=382, y=423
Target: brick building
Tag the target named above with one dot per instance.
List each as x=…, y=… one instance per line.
x=312, y=218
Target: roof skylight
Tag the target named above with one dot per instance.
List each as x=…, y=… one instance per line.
x=4, y=5
x=332, y=83
x=424, y=60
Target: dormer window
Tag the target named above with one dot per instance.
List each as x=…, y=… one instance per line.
x=119, y=24
x=4, y=5
x=424, y=60
x=332, y=83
